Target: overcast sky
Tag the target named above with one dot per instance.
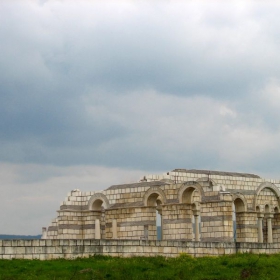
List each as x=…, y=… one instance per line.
x=95, y=93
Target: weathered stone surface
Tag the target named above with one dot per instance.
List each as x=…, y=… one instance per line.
x=201, y=205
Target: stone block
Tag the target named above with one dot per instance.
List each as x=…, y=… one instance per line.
x=9, y=250
x=19, y=250
x=6, y=243
x=7, y=257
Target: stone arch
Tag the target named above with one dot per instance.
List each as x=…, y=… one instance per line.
x=240, y=203
x=97, y=200
x=186, y=190
x=97, y=203
x=267, y=208
x=262, y=186
x=269, y=186
x=154, y=194
x=238, y=208
x=154, y=198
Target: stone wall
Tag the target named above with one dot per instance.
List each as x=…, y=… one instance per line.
x=188, y=205
x=63, y=248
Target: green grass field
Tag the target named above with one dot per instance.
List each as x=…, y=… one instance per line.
x=241, y=266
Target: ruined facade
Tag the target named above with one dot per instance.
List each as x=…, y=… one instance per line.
x=187, y=205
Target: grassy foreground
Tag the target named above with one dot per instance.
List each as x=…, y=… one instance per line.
x=241, y=266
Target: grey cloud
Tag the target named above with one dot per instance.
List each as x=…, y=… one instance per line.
x=55, y=63
x=171, y=55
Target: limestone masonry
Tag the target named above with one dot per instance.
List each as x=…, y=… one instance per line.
x=69, y=249
x=187, y=205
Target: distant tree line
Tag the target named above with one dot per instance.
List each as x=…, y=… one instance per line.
x=10, y=236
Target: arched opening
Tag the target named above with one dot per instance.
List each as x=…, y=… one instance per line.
x=187, y=196
x=266, y=192
x=98, y=213
x=94, y=226
x=190, y=228
x=239, y=205
x=238, y=208
x=97, y=205
x=155, y=201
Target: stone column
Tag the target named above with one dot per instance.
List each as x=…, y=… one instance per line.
x=97, y=229
x=269, y=228
x=196, y=224
x=115, y=229
x=260, y=227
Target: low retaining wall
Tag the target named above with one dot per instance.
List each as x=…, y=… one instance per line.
x=52, y=249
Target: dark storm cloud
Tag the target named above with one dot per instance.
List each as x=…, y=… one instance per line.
x=67, y=72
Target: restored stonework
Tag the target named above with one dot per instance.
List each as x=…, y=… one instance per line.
x=70, y=249
x=190, y=205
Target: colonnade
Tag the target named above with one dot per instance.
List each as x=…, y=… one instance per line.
x=268, y=217
x=196, y=214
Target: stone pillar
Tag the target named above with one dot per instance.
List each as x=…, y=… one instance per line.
x=246, y=230
x=269, y=228
x=218, y=227
x=102, y=225
x=260, y=227
x=97, y=229
x=196, y=224
x=114, y=229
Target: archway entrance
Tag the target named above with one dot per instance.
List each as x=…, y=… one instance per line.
x=190, y=212
x=155, y=201
x=99, y=217
x=238, y=208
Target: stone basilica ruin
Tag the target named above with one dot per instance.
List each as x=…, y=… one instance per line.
x=186, y=205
